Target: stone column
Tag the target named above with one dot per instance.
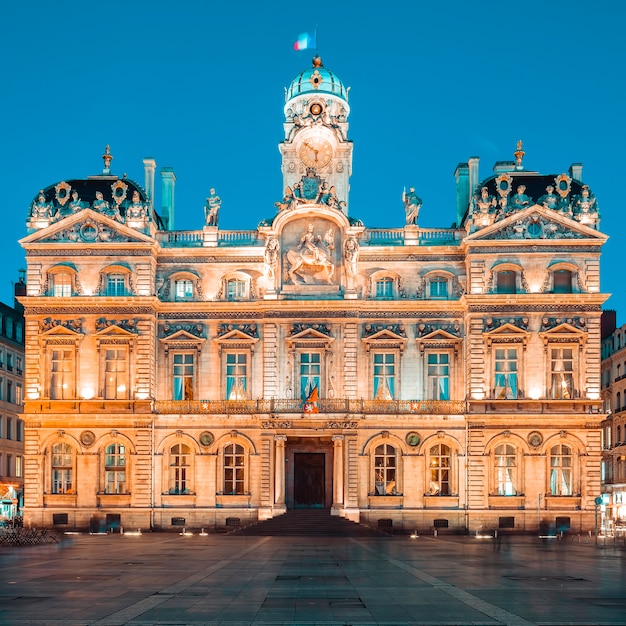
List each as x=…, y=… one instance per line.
x=337, y=473
x=279, y=470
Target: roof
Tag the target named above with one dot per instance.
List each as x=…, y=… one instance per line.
x=317, y=79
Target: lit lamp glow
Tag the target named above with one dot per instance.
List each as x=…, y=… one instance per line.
x=534, y=393
x=88, y=393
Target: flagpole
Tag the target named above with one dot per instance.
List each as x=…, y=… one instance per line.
x=316, y=46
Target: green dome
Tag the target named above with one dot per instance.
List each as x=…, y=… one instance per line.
x=317, y=79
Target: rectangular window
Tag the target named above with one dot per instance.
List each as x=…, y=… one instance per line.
x=237, y=376
x=384, y=375
x=115, y=374
x=18, y=394
x=62, y=374
x=562, y=373
x=9, y=362
x=506, y=282
x=62, y=285
x=116, y=285
x=9, y=428
x=1, y=427
x=236, y=289
x=184, y=289
x=561, y=470
x=310, y=373
x=438, y=376
x=562, y=281
x=10, y=397
x=438, y=288
x=384, y=288
x=506, y=373
x=505, y=469
x=1, y=388
x=1, y=357
x=115, y=469
x=19, y=430
x=9, y=327
x=183, y=376
x=62, y=468
x=19, y=367
x=19, y=332
x=19, y=467
x=9, y=465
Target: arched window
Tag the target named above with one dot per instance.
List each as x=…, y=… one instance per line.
x=562, y=281
x=561, y=470
x=383, y=287
x=506, y=281
x=183, y=289
x=62, y=466
x=619, y=435
x=180, y=469
x=62, y=284
x=440, y=464
x=115, y=469
x=385, y=468
x=438, y=287
x=505, y=467
x=234, y=469
x=618, y=401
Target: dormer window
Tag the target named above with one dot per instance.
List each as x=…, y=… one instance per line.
x=562, y=281
x=236, y=289
x=438, y=287
x=116, y=285
x=183, y=289
x=384, y=287
x=62, y=285
x=116, y=280
x=506, y=281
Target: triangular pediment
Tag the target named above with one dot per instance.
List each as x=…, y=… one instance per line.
x=439, y=335
x=384, y=338
x=309, y=333
x=115, y=331
x=536, y=223
x=507, y=333
x=86, y=227
x=564, y=333
x=182, y=336
x=236, y=339
x=309, y=337
x=60, y=331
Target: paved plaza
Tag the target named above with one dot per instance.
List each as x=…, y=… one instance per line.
x=169, y=579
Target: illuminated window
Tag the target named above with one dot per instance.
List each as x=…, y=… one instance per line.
x=62, y=284
x=506, y=373
x=505, y=467
x=62, y=380
x=561, y=470
x=439, y=466
x=385, y=468
x=562, y=373
x=234, y=469
x=115, y=373
x=310, y=373
x=180, y=469
x=115, y=469
x=62, y=463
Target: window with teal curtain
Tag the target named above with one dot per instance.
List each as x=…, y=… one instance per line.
x=310, y=373
x=506, y=373
x=506, y=469
x=438, y=376
x=561, y=470
x=183, y=376
x=237, y=376
x=384, y=375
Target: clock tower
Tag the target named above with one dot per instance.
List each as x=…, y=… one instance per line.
x=316, y=128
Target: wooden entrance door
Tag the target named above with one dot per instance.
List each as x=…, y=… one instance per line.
x=309, y=479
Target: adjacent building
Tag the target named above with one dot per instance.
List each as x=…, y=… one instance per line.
x=418, y=377
x=11, y=397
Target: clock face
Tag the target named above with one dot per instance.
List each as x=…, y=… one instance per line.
x=315, y=152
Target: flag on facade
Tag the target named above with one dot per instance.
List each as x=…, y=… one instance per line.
x=310, y=404
x=305, y=41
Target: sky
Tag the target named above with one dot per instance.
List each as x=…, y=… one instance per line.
x=199, y=87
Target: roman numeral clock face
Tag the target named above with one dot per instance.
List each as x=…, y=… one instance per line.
x=315, y=152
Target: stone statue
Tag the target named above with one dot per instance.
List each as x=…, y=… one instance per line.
x=101, y=205
x=288, y=201
x=75, y=203
x=520, y=200
x=351, y=259
x=309, y=255
x=412, y=204
x=549, y=200
x=585, y=208
x=212, y=208
x=41, y=210
x=272, y=256
x=484, y=207
x=136, y=210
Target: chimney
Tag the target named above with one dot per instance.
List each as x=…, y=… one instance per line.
x=168, y=179
x=462, y=191
x=576, y=171
x=149, y=167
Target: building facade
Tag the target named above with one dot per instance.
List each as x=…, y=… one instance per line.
x=11, y=398
x=613, y=507
x=432, y=377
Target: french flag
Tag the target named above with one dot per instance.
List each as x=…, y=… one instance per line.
x=305, y=41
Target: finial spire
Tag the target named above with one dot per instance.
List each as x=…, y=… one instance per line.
x=107, y=157
x=519, y=156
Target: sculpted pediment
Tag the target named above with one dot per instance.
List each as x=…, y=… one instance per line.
x=384, y=336
x=536, y=223
x=564, y=333
x=236, y=338
x=86, y=227
x=115, y=331
x=305, y=335
x=506, y=333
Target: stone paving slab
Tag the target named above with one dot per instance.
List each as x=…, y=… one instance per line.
x=225, y=580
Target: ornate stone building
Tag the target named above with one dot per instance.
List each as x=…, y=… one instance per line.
x=433, y=377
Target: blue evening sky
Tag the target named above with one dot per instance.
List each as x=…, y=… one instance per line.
x=199, y=86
